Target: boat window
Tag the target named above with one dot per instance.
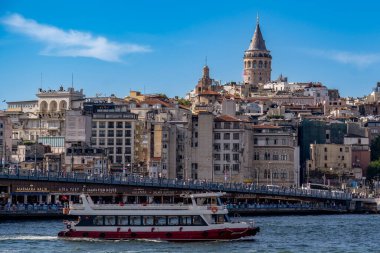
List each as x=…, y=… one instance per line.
x=185, y=220
x=198, y=221
x=98, y=221
x=135, y=220
x=160, y=220
x=122, y=220
x=173, y=220
x=147, y=220
x=109, y=220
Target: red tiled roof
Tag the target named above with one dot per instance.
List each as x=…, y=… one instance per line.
x=228, y=118
x=209, y=92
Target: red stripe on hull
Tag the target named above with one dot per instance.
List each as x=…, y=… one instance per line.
x=219, y=234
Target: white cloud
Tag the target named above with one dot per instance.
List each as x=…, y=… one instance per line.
x=357, y=59
x=71, y=43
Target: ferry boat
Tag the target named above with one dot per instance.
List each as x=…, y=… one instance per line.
x=200, y=217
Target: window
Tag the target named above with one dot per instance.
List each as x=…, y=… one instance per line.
x=135, y=220
x=173, y=220
x=226, y=157
x=283, y=141
x=266, y=156
x=102, y=141
x=227, y=125
x=341, y=149
x=119, y=124
x=235, y=157
x=256, y=156
x=267, y=141
x=197, y=220
x=196, y=135
x=226, y=146
x=160, y=220
x=218, y=125
x=284, y=157
x=236, y=125
x=98, y=221
x=325, y=157
x=119, y=150
x=235, y=147
x=102, y=133
x=127, y=124
x=119, y=133
x=185, y=220
x=109, y=220
x=110, y=142
x=122, y=220
x=217, y=157
x=235, y=167
x=275, y=156
x=325, y=149
x=216, y=167
x=275, y=141
x=255, y=141
x=119, y=159
x=127, y=142
x=217, y=147
x=119, y=141
x=102, y=124
x=236, y=136
x=217, y=136
x=342, y=157
x=111, y=125
x=127, y=133
x=148, y=220
x=226, y=136
x=111, y=133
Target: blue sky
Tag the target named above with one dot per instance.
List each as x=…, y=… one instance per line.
x=160, y=46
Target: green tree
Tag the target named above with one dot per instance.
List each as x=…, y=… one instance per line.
x=375, y=149
x=373, y=169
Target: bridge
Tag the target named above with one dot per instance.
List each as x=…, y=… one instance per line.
x=27, y=182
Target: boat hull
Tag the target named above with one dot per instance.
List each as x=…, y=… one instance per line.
x=206, y=235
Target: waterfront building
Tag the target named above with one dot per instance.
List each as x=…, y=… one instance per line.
x=113, y=129
x=5, y=139
x=84, y=159
x=275, y=155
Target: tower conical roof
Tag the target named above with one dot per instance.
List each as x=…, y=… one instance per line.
x=257, y=42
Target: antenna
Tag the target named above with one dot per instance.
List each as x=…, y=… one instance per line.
x=72, y=80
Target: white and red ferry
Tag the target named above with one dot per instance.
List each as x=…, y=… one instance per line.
x=200, y=217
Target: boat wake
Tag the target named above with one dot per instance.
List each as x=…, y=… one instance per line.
x=28, y=238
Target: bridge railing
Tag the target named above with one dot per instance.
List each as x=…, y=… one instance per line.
x=118, y=179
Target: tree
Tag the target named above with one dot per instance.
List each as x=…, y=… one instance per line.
x=375, y=149
x=373, y=169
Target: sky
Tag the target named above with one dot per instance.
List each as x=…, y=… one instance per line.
x=112, y=47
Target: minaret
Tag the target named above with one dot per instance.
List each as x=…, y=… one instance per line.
x=257, y=60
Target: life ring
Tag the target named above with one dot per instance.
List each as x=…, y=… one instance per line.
x=68, y=226
x=214, y=209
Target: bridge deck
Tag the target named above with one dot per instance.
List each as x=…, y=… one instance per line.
x=191, y=185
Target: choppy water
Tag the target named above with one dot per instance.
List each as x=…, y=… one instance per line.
x=333, y=233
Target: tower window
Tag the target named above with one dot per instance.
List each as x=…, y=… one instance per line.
x=260, y=64
x=254, y=64
x=249, y=64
